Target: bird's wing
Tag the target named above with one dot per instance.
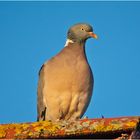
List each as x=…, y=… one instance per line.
x=41, y=109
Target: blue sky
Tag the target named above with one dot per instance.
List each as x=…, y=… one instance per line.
x=33, y=32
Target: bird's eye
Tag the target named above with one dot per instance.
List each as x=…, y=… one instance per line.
x=82, y=29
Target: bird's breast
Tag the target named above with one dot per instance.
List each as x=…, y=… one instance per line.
x=70, y=74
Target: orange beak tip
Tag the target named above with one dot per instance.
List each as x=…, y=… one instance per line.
x=93, y=35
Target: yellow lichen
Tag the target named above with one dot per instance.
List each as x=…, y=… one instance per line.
x=99, y=126
x=108, y=128
x=2, y=133
x=39, y=128
x=25, y=126
x=35, y=124
x=46, y=127
x=3, y=129
x=131, y=124
x=115, y=126
x=18, y=129
x=30, y=134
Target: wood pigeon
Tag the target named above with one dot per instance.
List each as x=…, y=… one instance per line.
x=66, y=81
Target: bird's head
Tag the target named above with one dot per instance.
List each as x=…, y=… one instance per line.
x=80, y=32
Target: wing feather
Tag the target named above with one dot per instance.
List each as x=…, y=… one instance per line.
x=41, y=109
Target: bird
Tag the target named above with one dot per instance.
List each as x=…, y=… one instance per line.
x=66, y=80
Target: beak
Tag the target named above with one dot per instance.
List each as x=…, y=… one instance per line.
x=91, y=34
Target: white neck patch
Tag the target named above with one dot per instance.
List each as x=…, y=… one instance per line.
x=68, y=41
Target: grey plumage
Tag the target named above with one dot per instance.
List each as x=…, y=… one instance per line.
x=66, y=81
